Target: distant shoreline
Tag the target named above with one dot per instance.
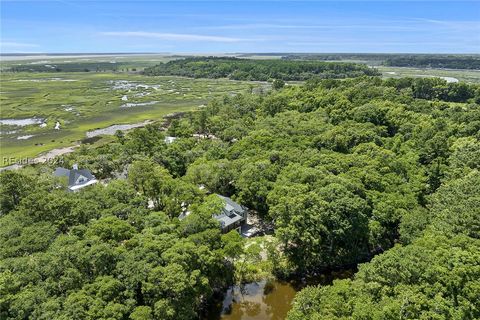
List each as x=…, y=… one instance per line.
x=36, y=56
x=76, y=53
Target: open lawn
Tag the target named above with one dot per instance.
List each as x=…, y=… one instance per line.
x=59, y=108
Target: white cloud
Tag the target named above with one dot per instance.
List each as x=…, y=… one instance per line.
x=172, y=36
x=452, y=24
x=265, y=26
x=16, y=45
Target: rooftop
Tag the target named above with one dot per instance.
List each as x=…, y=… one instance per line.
x=77, y=179
x=232, y=212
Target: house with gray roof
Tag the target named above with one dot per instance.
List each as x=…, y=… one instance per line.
x=233, y=215
x=76, y=179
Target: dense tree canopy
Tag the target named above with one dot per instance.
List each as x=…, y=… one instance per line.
x=450, y=61
x=102, y=254
x=434, y=277
x=262, y=70
x=343, y=169
x=434, y=61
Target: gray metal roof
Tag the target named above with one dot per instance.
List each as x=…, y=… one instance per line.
x=75, y=177
x=232, y=205
x=225, y=220
x=61, y=172
x=231, y=212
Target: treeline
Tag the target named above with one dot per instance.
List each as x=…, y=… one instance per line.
x=397, y=60
x=71, y=67
x=258, y=70
x=370, y=57
x=345, y=170
x=428, y=61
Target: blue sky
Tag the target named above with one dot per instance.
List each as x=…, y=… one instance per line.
x=240, y=26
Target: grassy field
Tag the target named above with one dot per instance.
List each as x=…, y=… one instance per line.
x=120, y=62
x=79, y=102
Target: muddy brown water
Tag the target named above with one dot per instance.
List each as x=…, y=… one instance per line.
x=266, y=300
x=258, y=300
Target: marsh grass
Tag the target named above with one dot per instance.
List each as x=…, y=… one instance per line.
x=399, y=72
x=85, y=101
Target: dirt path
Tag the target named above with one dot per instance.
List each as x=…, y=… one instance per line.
x=43, y=158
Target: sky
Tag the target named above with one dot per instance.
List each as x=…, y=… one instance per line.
x=66, y=26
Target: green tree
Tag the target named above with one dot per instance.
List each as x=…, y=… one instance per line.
x=278, y=84
x=14, y=185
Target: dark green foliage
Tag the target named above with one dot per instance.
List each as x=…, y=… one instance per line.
x=453, y=61
x=343, y=169
x=260, y=70
x=434, y=61
x=101, y=254
x=13, y=187
x=455, y=206
x=278, y=84
x=436, y=89
x=434, y=276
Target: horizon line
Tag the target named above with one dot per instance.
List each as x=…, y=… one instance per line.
x=225, y=53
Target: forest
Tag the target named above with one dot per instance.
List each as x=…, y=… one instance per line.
x=428, y=61
x=380, y=173
x=258, y=70
x=435, y=61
